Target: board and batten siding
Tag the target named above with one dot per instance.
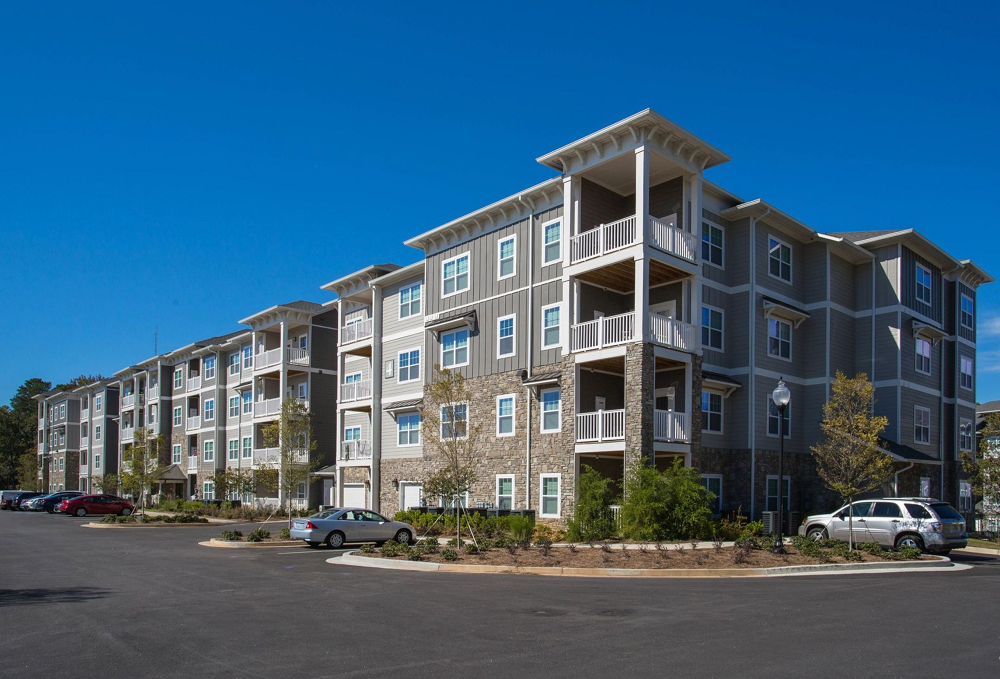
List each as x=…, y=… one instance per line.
x=391, y=450
x=887, y=273
x=392, y=324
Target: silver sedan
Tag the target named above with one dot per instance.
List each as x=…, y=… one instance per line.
x=337, y=527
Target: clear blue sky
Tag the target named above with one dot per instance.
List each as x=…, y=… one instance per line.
x=186, y=164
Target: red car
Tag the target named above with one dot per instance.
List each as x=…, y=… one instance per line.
x=95, y=504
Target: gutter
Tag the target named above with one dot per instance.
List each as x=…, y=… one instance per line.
x=895, y=481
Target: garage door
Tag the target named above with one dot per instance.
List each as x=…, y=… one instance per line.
x=354, y=495
x=411, y=495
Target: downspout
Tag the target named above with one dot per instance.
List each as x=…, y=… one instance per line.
x=531, y=349
x=895, y=482
x=752, y=428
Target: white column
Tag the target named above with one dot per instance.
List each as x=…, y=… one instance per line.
x=694, y=312
x=641, y=192
x=641, y=298
x=377, y=373
x=283, y=372
x=570, y=229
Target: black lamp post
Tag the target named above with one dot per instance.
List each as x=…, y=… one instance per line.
x=781, y=396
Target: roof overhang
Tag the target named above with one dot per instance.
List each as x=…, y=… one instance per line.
x=776, y=309
x=439, y=323
x=919, y=243
x=727, y=387
x=541, y=379
x=928, y=332
x=401, y=274
x=974, y=275
x=276, y=313
x=403, y=406
x=359, y=280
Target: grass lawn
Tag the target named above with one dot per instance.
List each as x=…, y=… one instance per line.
x=984, y=544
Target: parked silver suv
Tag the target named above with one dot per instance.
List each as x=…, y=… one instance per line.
x=925, y=523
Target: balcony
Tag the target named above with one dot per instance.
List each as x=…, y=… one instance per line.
x=356, y=391
x=671, y=426
x=603, y=332
x=128, y=433
x=85, y=414
x=194, y=383
x=153, y=392
x=606, y=238
x=664, y=235
x=84, y=470
x=600, y=426
x=672, y=333
x=298, y=356
x=356, y=332
x=194, y=422
x=266, y=359
x=84, y=442
x=271, y=406
x=128, y=401
x=355, y=449
x=272, y=456
x=192, y=463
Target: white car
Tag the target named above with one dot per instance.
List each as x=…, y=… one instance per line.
x=336, y=527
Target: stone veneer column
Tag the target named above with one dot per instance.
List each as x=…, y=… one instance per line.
x=694, y=416
x=640, y=375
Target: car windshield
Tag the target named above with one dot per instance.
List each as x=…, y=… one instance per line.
x=946, y=511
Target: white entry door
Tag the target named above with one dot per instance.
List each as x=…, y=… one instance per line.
x=665, y=309
x=410, y=495
x=329, y=492
x=354, y=495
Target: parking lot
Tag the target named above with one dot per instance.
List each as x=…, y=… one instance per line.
x=152, y=603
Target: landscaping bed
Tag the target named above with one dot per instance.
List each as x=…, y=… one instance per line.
x=137, y=520
x=256, y=536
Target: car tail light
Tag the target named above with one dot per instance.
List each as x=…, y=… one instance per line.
x=310, y=525
x=936, y=526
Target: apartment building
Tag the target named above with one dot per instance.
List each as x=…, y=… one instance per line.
x=58, y=440
x=629, y=308
x=99, y=403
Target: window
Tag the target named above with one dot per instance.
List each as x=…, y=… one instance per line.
x=966, y=372
x=921, y=425
x=505, y=491
x=62, y=462
x=887, y=510
x=711, y=243
x=549, y=491
x=713, y=484
x=234, y=363
x=97, y=432
x=175, y=454
x=152, y=414
x=179, y=378
x=454, y=420
x=208, y=451
x=550, y=326
x=247, y=448
x=551, y=410
x=505, y=336
x=505, y=415
x=247, y=402
x=772, y=493
x=711, y=412
x=209, y=409
x=964, y=497
x=711, y=328
x=967, y=315
x=455, y=348
x=409, y=301
x=455, y=275
x=97, y=460
x=247, y=352
x=178, y=417
x=552, y=241
x=772, y=418
x=779, y=339
x=922, y=350
x=925, y=486
x=923, y=284
x=779, y=259
x=234, y=406
x=409, y=365
x=303, y=391
x=234, y=450
x=965, y=434
x=208, y=490
x=506, y=250
x=98, y=403
x=209, y=367
x=408, y=429
x=918, y=511
x=62, y=411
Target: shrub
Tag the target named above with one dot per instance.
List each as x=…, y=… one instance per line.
x=414, y=555
x=870, y=547
x=671, y=505
x=449, y=554
x=592, y=518
x=367, y=549
x=285, y=534
x=390, y=548
x=109, y=518
x=909, y=553
x=232, y=535
x=521, y=528
x=471, y=548
x=258, y=535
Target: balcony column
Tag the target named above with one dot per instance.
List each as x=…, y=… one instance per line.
x=641, y=193
x=694, y=308
x=376, y=374
x=571, y=227
x=641, y=299
x=283, y=371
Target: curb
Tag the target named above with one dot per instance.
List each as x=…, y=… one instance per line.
x=979, y=550
x=232, y=544
x=144, y=525
x=939, y=563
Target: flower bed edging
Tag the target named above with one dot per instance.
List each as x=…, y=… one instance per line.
x=242, y=544
x=94, y=524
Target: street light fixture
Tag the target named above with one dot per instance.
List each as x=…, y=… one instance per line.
x=781, y=396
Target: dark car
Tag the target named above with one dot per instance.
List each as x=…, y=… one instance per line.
x=49, y=503
x=95, y=504
x=15, y=503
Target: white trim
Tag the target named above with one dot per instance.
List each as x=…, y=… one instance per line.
x=558, y=343
x=420, y=423
x=917, y=284
x=787, y=478
x=929, y=440
x=542, y=411
x=468, y=273
x=441, y=419
x=542, y=496
x=176, y=453
x=767, y=414
x=513, y=258
x=722, y=248
x=513, y=337
x=718, y=499
x=468, y=348
x=399, y=294
x=562, y=238
x=791, y=329
x=204, y=450
x=229, y=450
x=496, y=488
x=513, y=415
x=722, y=330
x=722, y=413
x=399, y=365
x=962, y=422
x=918, y=356
x=791, y=260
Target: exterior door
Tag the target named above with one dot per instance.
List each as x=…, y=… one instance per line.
x=354, y=495
x=410, y=496
x=665, y=309
x=600, y=403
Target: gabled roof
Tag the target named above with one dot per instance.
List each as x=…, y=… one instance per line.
x=875, y=238
x=299, y=306
x=988, y=407
x=900, y=451
x=354, y=282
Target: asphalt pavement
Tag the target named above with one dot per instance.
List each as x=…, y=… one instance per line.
x=80, y=602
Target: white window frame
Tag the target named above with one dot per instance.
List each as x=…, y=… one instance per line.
x=234, y=363
x=246, y=354
x=722, y=327
x=558, y=258
x=513, y=336
x=153, y=413
x=234, y=406
x=455, y=350
x=176, y=453
x=791, y=330
x=542, y=411
x=178, y=378
x=97, y=460
x=98, y=403
x=513, y=490
x=409, y=367
x=501, y=259
x=246, y=447
x=971, y=325
x=965, y=441
x=408, y=305
x=966, y=375
x=247, y=400
x=178, y=416
x=400, y=430
x=777, y=416
x=208, y=368
x=722, y=248
x=97, y=432
x=770, y=256
x=919, y=357
x=918, y=428
x=208, y=490
x=768, y=496
x=512, y=416
x=453, y=420
x=233, y=450
x=205, y=409
x=468, y=274
x=558, y=326
x=542, y=496
x=208, y=450
x=717, y=509
x=722, y=412
x=918, y=285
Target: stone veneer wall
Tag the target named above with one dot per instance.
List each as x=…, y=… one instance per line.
x=640, y=377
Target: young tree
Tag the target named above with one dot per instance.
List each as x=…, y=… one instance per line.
x=141, y=464
x=107, y=484
x=292, y=435
x=984, y=471
x=848, y=459
x=451, y=437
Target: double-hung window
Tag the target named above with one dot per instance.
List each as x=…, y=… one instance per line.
x=208, y=490
x=551, y=410
x=97, y=433
x=409, y=301
x=711, y=328
x=98, y=403
x=178, y=417
x=455, y=348
x=921, y=425
x=550, y=326
x=779, y=256
x=967, y=313
x=505, y=415
x=234, y=363
x=234, y=450
x=234, y=406
x=966, y=371
x=772, y=493
x=247, y=448
x=922, y=351
x=923, y=284
x=179, y=378
x=965, y=435
x=408, y=430
x=505, y=336
x=97, y=460
x=713, y=484
x=153, y=411
x=208, y=451
x=775, y=420
x=711, y=412
x=552, y=241
x=247, y=402
x=454, y=420
x=175, y=454
x=711, y=243
x=247, y=352
x=210, y=367
x=549, y=489
x=209, y=409
x=779, y=338
x=506, y=251
x=409, y=365
x=505, y=491
x=455, y=275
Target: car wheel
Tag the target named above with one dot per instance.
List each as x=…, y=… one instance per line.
x=126, y=511
x=81, y=512
x=335, y=540
x=910, y=540
x=816, y=533
x=403, y=537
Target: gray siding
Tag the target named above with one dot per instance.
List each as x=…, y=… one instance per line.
x=909, y=285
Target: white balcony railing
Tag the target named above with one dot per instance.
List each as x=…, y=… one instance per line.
x=671, y=333
x=603, y=239
x=355, y=332
x=84, y=442
x=85, y=414
x=665, y=236
x=603, y=425
x=153, y=392
x=128, y=400
x=669, y=425
x=272, y=456
x=356, y=391
x=298, y=356
x=355, y=450
x=606, y=331
x=194, y=422
x=84, y=470
x=192, y=463
x=271, y=406
x=266, y=359
x=194, y=383
x=128, y=433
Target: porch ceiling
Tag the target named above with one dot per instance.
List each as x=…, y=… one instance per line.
x=620, y=276
x=615, y=365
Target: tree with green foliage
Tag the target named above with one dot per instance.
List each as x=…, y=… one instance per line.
x=592, y=519
x=983, y=471
x=849, y=459
x=19, y=430
x=27, y=472
x=80, y=381
x=142, y=464
x=292, y=435
x=668, y=505
x=108, y=483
